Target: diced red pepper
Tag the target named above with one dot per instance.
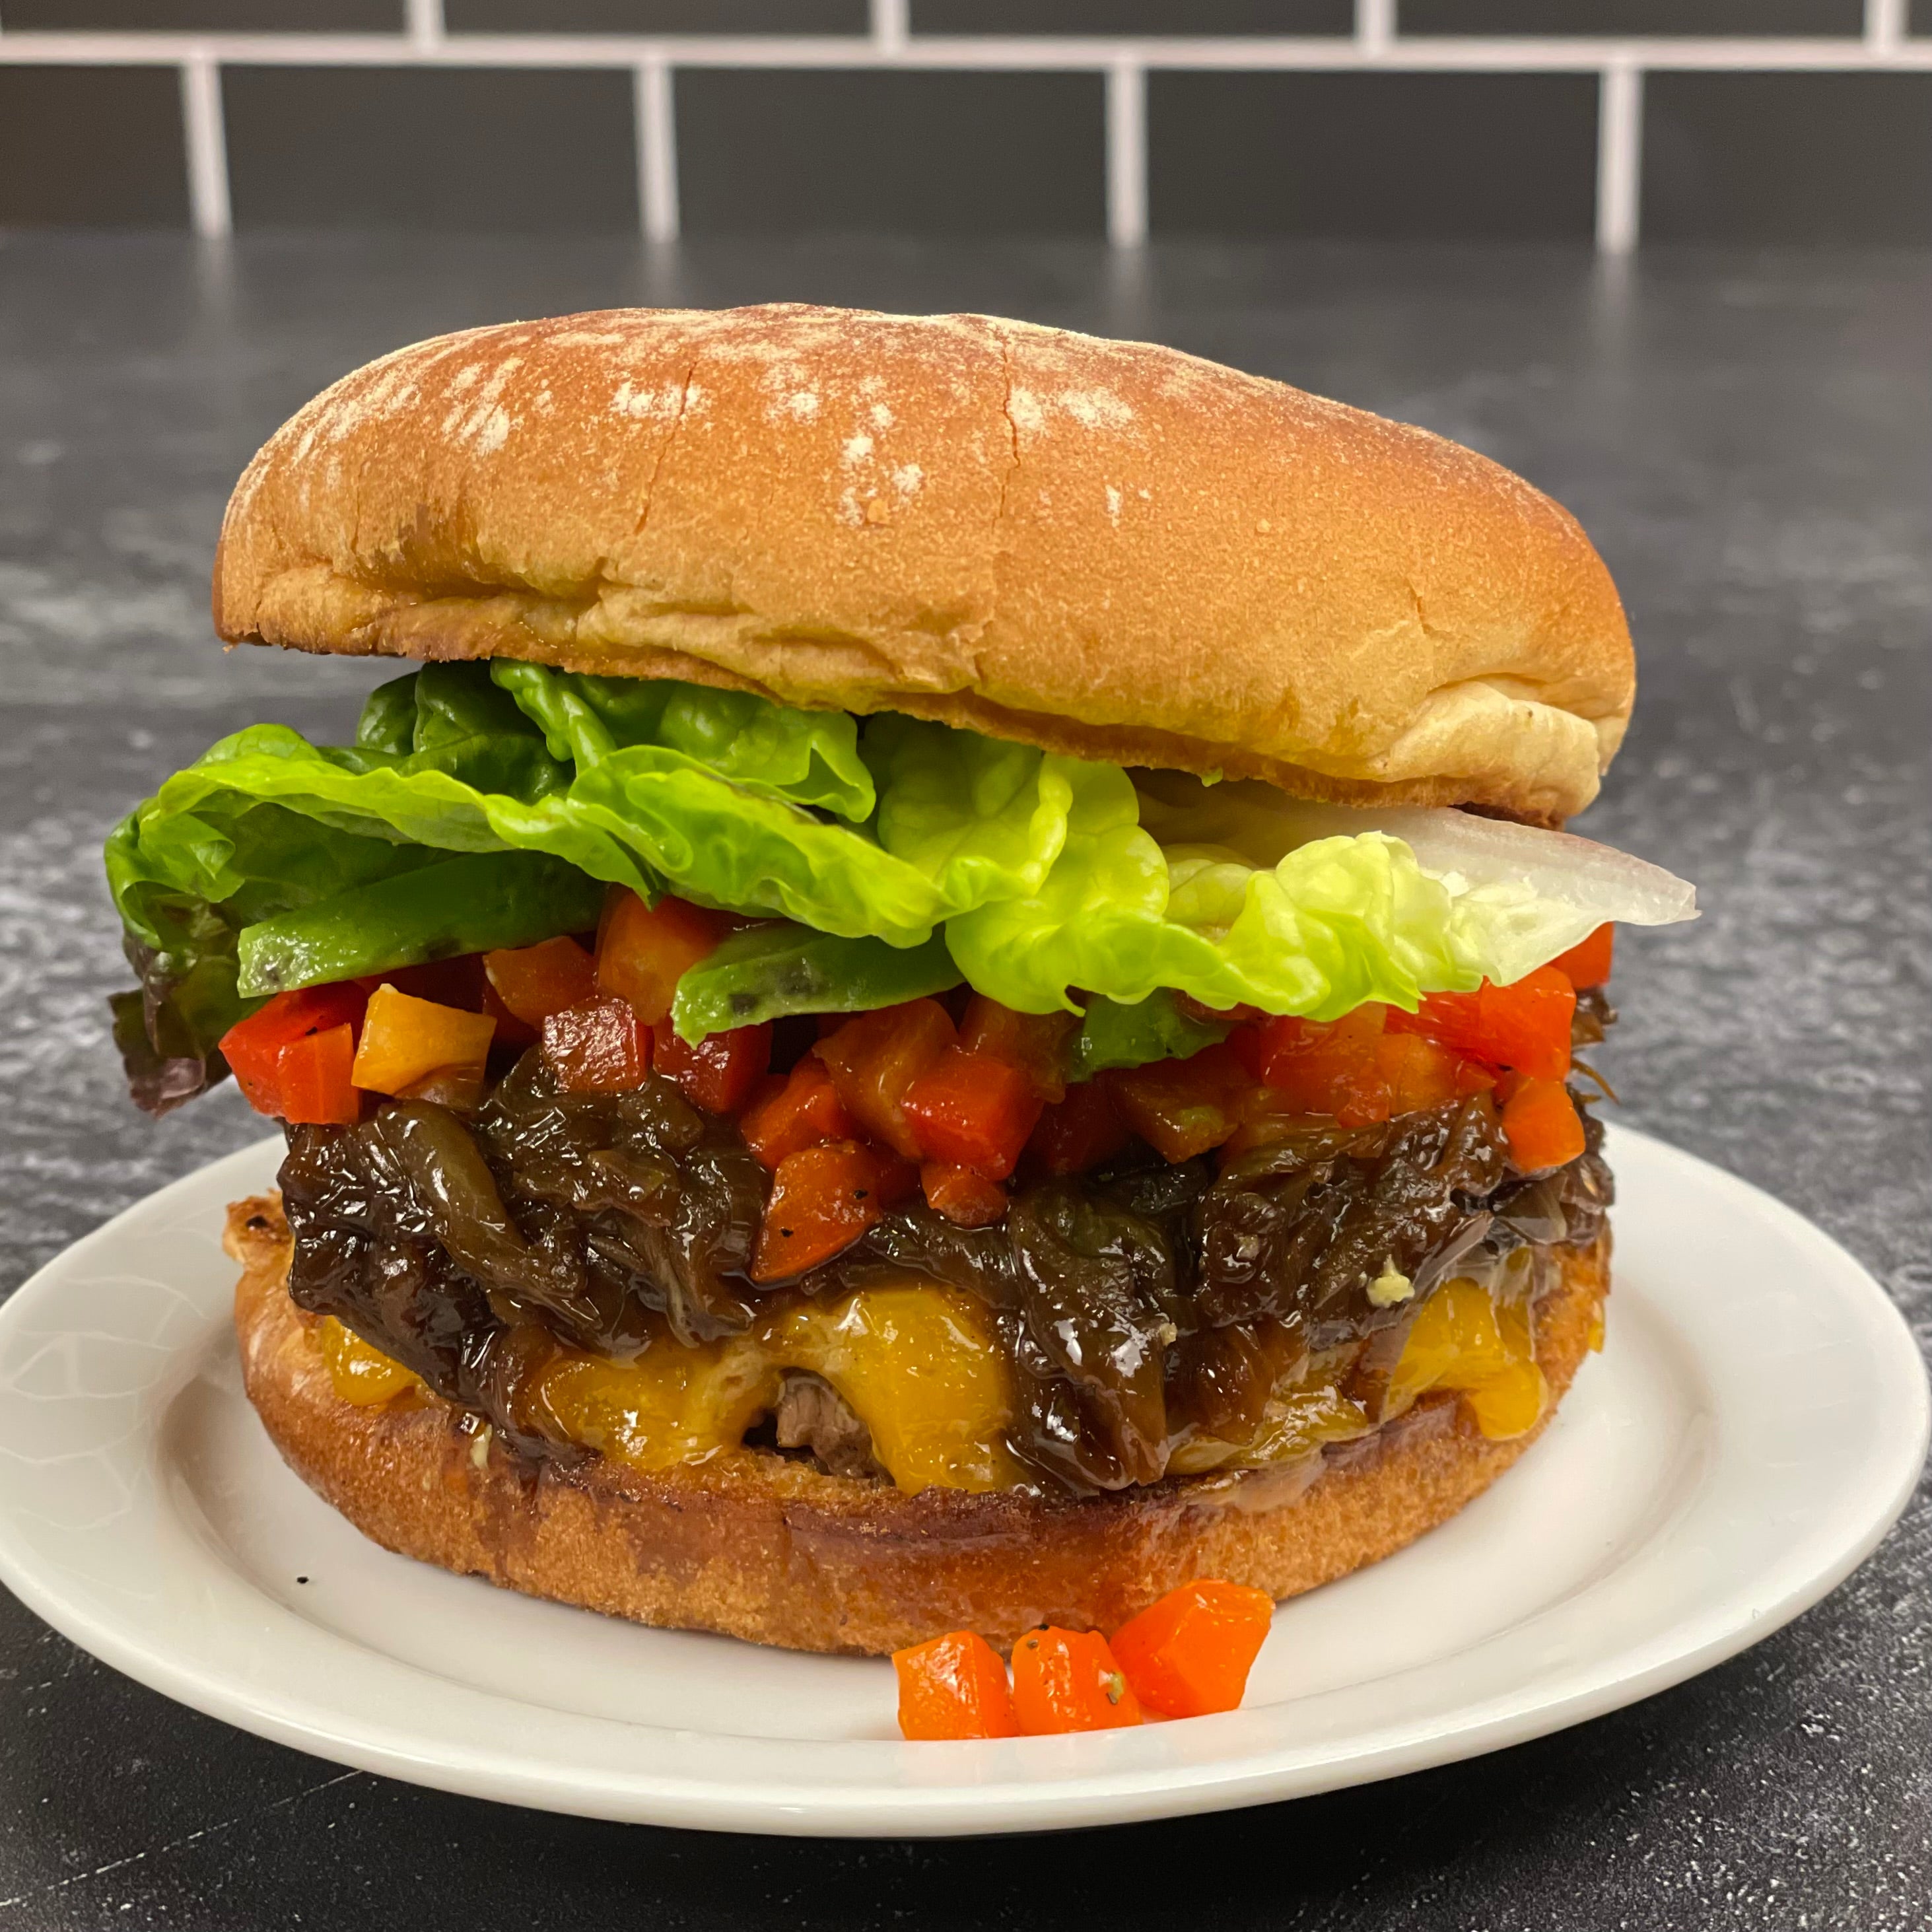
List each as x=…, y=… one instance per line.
x=313, y=1074
x=510, y=1031
x=253, y=1047
x=962, y=1195
x=875, y=1058
x=1540, y=1122
x=1321, y=1068
x=643, y=951
x=533, y=981
x=1035, y=1042
x=1189, y=1654
x=721, y=1072
x=599, y=1048
x=1079, y=1133
x=954, y=1687
x=1182, y=1108
x=1588, y=964
x=971, y=1110
x=1525, y=1025
x=1070, y=1681
x=823, y=1199
x=802, y=1110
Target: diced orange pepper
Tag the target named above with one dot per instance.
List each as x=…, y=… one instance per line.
x=1541, y=1125
x=1189, y=1654
x=801, y=1111
x=405, y=1040
x=823, y=1199
x=1070, y=1681
x=533, y=981
x=1034, y=1042
x=1182, y=1108
x=602, y=1047
x=1525, y=1025
x=1082, y=1131
x=962, y=1195
x=971, y=1110
x=720, y=1073
x=643, y=951
x=875, y=1058
x=313, y=1072
x=253, y=1047
x=1325, y=1068
x=954, y=1687
x=1588, y=964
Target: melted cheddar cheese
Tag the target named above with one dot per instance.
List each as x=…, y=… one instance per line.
x=922, y=1367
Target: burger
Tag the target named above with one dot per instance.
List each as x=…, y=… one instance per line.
x=947, y=993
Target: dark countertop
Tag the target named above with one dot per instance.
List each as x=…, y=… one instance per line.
x=1747, y=441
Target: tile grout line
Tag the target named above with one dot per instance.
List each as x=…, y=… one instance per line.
x=1126, y=154
x=1619, y=158
x=205, y=137
x=891, y=28
x=423, y=23
x=1375, y=26
x=1887, y=28
x=655, y=128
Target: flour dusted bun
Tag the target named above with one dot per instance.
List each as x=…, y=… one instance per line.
x=1108, y=548
x=759, y=1547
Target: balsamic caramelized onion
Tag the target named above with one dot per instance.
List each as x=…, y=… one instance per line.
x=1138, y=1303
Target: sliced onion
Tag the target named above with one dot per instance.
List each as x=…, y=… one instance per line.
x=1608, y=884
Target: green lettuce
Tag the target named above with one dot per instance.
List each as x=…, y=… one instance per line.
x=483, y=806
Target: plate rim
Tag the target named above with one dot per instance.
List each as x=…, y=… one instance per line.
x=837, y=1808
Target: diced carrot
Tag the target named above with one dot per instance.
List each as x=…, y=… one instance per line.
x=1525, y=1025
x=1034, y=1042
x=1421, y=1073
x=1540, y=1122
x=510, y=1031
x=802, y=1110
x=533, y=981
x=720, y=1071
x=1588, y=964
x=602, y=1047
x=314, y=1074
x=404, y=1040
x=1070, y=1681
x=971, y=1110
x=643, y=951
x=253, y=1047
x=962, y=1195
x=823, y=1199
x=954, y=1687
x=1190, y=1654
x=1079, y=1133
x=875, y=1058
x=1182, y=1108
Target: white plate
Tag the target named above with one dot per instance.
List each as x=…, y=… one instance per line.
x=1757, y=1423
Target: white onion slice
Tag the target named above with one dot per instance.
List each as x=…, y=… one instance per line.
x=1595, y=879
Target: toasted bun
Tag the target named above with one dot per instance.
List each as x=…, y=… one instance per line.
x=759, y=1547
x=1108, y=548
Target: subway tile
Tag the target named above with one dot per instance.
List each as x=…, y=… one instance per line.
x=856, y=151
x=656, y=16
x=448, y=147
x=1788, y=157
x=1389, y=155
x=1144, y=17
x=208, y=16
x=1919, y=20
x=1750, y=18
x=92, y=147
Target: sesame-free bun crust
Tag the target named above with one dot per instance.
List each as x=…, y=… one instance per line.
x=1108, y=548
x=762, y=1547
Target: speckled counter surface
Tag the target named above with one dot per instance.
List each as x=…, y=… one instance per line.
x=1750, y=442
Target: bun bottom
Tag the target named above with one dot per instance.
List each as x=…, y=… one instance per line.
x=756, y=1546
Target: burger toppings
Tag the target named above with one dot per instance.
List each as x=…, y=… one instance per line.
x=663, y=1067
x=1187, y=1655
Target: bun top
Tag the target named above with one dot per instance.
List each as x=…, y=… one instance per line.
x=1109, y=549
